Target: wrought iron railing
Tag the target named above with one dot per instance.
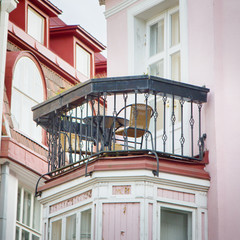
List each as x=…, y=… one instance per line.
x=123, y=115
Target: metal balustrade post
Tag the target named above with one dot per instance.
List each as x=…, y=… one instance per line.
x=164, y=136
x=173, y=119
x=125, y=137
x=155, y=121
x=182, y=139
x=191, y=121
x=135, y=119
x=114, y=121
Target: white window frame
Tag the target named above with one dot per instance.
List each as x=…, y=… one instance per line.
x=64, y=216
x=20, y=223
x=86, y=73
x=192, y=214
x=168, y=49
x=43, y=26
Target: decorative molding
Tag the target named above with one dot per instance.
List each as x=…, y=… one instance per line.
x=121, y=190
x=70, y=201
x=176, y=195
x=118, y=8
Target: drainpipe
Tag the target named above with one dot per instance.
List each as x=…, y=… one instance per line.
x=6, y=6
x=4, y=199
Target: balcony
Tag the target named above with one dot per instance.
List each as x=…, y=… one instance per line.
x=123, y=116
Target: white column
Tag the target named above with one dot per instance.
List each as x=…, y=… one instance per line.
x=6, y=6
x=4, y=199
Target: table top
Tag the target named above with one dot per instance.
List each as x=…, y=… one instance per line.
x=109, y=121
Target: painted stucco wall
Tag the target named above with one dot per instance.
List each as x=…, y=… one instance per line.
x=213, y=58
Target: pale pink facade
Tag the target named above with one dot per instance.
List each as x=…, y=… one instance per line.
x=209, y=56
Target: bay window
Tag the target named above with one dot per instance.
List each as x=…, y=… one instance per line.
x=28, y=224
x=72, y=226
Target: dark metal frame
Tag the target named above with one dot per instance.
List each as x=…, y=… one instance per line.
x=52, y=116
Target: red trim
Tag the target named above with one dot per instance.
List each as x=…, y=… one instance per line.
x=144, y=162
x=23, y=156
x=81, y=34
x=46, y=56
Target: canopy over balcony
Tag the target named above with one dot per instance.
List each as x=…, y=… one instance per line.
x=123, y=116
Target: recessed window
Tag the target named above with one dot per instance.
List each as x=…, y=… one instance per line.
x=36, y=25
x=27, y=91
x=175, y=225
x=82, y=61
x=28, y=216
x=71, y=223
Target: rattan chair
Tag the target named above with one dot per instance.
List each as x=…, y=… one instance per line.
x=140, y=115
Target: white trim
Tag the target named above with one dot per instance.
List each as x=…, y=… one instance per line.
x=119, y=7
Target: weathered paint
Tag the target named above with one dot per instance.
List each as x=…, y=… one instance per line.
x=182, y=196
x=121, y=221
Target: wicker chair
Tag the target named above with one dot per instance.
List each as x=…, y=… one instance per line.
x=143, y=116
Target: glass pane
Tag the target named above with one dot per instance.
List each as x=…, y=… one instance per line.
x=57, y=230
x=86, y=225
x=174, y=225
x=82, y=61
x=156, y=69
x=176, y=67
x=17, y=233
x=175, y=29
x=27, y=91
x=71, y=228
x=34, y=237
x=26, y=207
x=36, y=214
x=35, y=25
x=18, y=204
x=157, y=38
x=25, y=235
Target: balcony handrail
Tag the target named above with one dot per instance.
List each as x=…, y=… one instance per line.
x=99, y=135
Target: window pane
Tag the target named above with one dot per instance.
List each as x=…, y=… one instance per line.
x=18, y=204
x=35, y=25
x=157, y=38
x=26, y=207
x=156, y=69
x=86, y=225
x=71, y=228
x=34, y=237
x=174, y=225
x=82, y=61
x=25, y=235
x=176, y=66
x=27, y=91
x=17, y=233
x=175, y=29
x=36, y=214
x=57, y=230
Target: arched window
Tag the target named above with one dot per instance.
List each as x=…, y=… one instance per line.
x=27, y=91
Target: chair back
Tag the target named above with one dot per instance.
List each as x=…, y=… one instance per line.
x=144, y=114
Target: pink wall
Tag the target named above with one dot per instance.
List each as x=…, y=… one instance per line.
x=213, y=60
x=121, y=221
x=214, y=57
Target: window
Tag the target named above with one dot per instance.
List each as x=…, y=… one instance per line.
x=175, y=225
x=72, y=225
x=164, y=53
x=36, y=25
x=27, y=91
x=28, y=224
x=82, y=61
